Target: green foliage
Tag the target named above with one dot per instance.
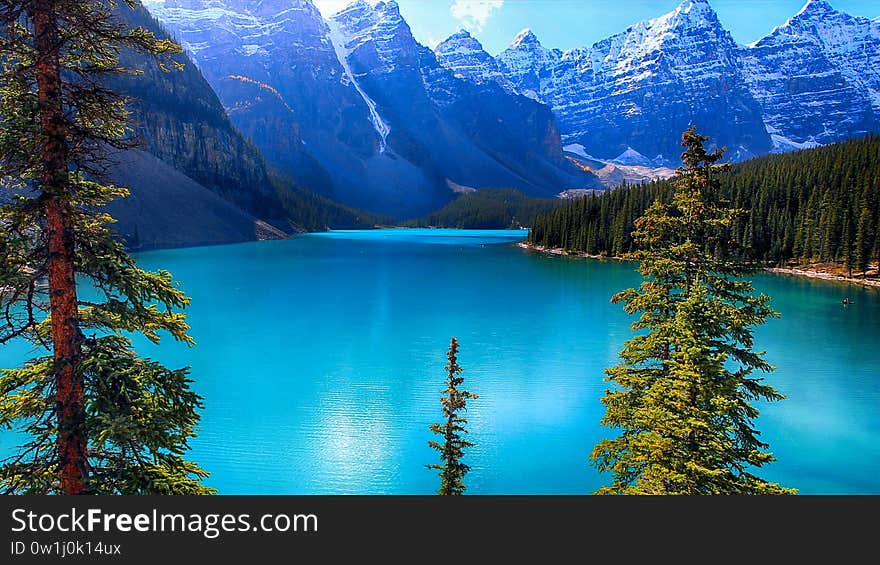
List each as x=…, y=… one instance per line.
x=816, y=205
x=451, y=470
x=682, y=393
x=308, y=211
x=489, y=209
x=137, y=416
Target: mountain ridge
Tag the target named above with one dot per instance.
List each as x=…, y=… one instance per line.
x=602, y=93
x=386, y=125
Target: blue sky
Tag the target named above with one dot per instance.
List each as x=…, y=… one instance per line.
x=577, y=23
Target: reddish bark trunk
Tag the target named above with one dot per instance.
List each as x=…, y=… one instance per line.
x=66, y=336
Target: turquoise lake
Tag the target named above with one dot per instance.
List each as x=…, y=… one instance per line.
x=321, y=362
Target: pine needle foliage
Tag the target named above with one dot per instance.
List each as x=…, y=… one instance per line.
x=453, y=430
x=97, y=418
x=683, y=393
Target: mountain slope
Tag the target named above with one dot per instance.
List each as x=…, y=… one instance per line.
x=817, y=77
x=354, y=107
x=168, y=209
x=181, y=121
x=195, y=179
x=634, y=92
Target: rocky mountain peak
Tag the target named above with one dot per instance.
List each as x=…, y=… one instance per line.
x=356, y=10
x=461, y=35
x=699, y=10
x=461, y=41
x=689, y=15
x=815, y=8
x=525, y=38
x=464, y=55
x=657, y=76
x=390, y=7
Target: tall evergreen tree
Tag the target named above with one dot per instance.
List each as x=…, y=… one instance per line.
x=451, y=469
x=685, y=414
x=100, y=420
x=864, y=237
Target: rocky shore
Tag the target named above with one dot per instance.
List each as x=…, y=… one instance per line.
x=873, y=280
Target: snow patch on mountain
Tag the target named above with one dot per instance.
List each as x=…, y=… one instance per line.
x=782, y=144
x=817, y=77
x=640, y=88
x=577, y=149
x=631, y=157
x=340, y=45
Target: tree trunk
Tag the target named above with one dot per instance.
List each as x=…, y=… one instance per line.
x=66, y=336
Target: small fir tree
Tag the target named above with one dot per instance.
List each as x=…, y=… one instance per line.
x=451, y=470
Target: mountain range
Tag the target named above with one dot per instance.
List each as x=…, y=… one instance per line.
x=811, y=81
x=281, y=113
x=353, y=107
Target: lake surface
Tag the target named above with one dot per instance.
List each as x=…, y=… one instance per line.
x=321, y=363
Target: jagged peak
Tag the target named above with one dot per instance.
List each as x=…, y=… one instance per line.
x=691, y=10
x=389, y=6
x=690, y=14
x=461, y=39
x=688, y=5
x=361, y=10
x=388, y=11
x=354, y=8
x=815, y=8
x=525, y=37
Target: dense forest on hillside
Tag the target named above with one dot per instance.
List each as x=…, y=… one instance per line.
x=309, y=211
x=816, y=205
x=488, y=209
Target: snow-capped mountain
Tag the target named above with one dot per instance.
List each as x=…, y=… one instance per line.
x=817, y=77
x=465, y=57
x=625, y=99
x=355, y=107
x=278, y=74
x=527, y=64
x=630, y=95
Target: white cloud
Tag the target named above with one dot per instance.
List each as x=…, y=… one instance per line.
x=473, y=14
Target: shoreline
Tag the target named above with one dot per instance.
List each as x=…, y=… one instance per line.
x=789, y=271
x=793, y=272
x=560, y=252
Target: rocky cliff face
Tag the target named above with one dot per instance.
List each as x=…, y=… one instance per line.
x=378, y=122
x=636, y=91
x=479, y=135
x=180, y=120
x=817, y=77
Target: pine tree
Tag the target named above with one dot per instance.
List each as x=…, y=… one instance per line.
x=451, y=470
x=685, y=417
x=864, y=238
x=99, y=419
